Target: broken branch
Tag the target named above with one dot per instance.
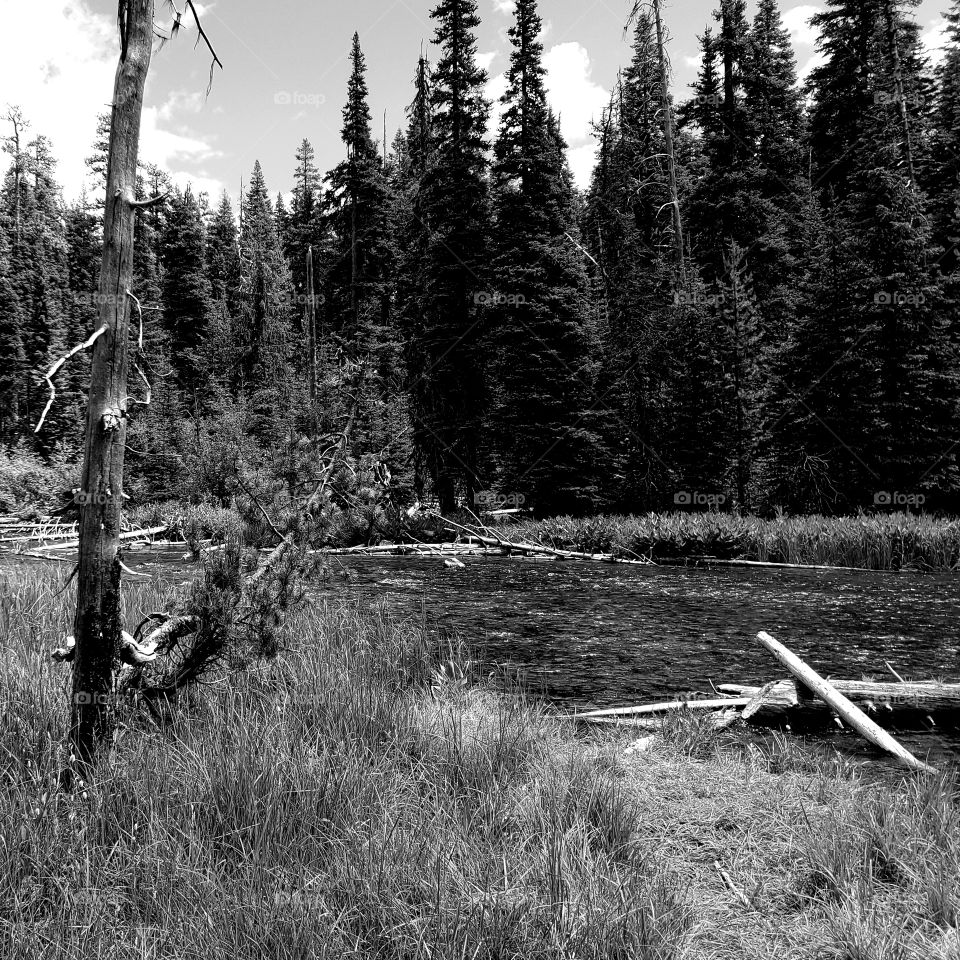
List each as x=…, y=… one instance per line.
x=55, y=369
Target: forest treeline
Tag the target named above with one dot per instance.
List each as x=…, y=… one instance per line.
x=752, y=307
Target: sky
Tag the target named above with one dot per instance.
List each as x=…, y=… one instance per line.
x=286, y=67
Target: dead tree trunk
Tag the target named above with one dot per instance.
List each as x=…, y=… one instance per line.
x=667, y=108
x=902, y=112
x=98, y=625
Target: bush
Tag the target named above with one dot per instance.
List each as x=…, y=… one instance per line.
x=27, y=482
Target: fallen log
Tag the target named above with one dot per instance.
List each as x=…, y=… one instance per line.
x=509, y=546
x=717, y=562
x=31, y=555
x=130, y=535
x=719, y=719
x=848, y=711
x=649, y=709
x=404, y=549
x=893, y=704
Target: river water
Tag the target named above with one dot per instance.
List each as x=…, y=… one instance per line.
x=593, y=635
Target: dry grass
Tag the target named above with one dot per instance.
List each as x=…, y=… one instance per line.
x=350, y=800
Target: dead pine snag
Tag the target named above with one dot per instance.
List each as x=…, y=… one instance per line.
x=98, y=630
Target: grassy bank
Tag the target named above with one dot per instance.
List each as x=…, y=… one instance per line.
x=893, y=541
x=347, y=801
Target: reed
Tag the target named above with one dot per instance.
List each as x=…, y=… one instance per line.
x=893, y=541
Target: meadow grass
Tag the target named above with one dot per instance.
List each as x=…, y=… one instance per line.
x=892, y=541
x=358, y=796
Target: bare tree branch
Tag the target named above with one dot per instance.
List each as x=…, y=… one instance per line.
x=55, y=369
x=149, y=202
x=175, y=29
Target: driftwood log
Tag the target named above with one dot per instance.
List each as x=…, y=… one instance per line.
x=786, y=702
x=846, y=710
x=652, y=709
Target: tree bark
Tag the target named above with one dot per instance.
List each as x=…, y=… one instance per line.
x=98, y=624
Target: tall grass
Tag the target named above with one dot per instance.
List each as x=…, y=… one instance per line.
x=877, y=542
x=353, y=799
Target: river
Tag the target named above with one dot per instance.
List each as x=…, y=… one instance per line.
x=593, y=635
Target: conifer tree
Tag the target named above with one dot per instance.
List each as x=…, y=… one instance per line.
x=447, y=381
x=305, y=229
x=359, y=280
x=854, y=86
x=186, y=292
x=539, y=430
x=13, y=368
x=359, y=273
x=945, y=175
x=263, y=328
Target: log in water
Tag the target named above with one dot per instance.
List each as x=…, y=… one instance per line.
x=851, y=713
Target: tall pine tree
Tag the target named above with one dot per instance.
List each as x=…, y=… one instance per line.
x=448, y=396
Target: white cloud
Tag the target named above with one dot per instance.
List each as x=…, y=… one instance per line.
x=797, y=21
x=503, y=6
x=575, y=96
x=182, y=101
x=582, y=161
x=484, y=60
x=496, y=87
x=200, y=184
x=817, y=60
x=57, y=62
x=935, y=39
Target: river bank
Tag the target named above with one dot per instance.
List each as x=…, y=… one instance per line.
x=359, y=797
x=894, y=541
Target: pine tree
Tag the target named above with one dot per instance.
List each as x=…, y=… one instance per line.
x=186, y=292
x=305, y=227
x=629, y=231
x=539, y=421
x=447, y=378
x=84, y=253
x=32, y=216
x=359, y=280
x=222, y=255
x=359, y=273
x=854, y=87
x=945, y=176
x=820, y=415
x=263, y=328
x=14, y=367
